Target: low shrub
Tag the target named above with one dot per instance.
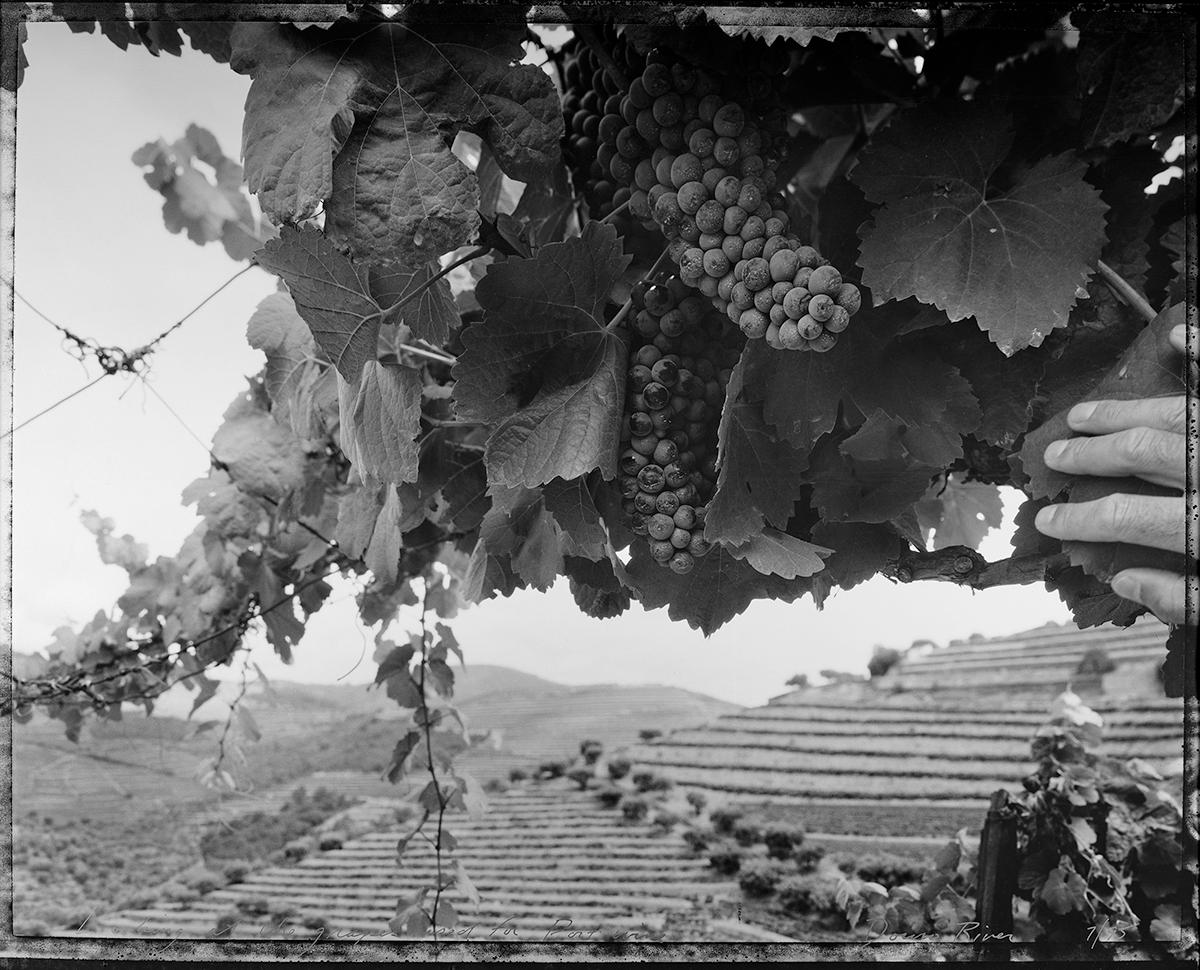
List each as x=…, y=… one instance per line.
x=329, y=843
x=235, y=872
x=889, y=870
x=591, y=751
x=618, y=768
x=724, y=819
x=316, y=923
x=697, y=839
x=746, y=833
x=648, y=781
x=634, y=809
x=759, y=877
x=610, y=797
x=808, y=896
x=808, y=858
x=697, y=800
x=495, y=786
x=782, y=840
x=225, y=924
x=649, y=734
x=726, y=859
x=549, y=770
x=296, y=850
x=581, y=777
x=254, y=907
x=665, y=820
x=518, y=775
x=206, y=882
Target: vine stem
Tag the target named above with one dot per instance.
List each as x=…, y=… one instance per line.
x=1125, y=291
x=405, y=300
x=617, y=211
x=437, y=787
x=431, y=354
x=624, y=311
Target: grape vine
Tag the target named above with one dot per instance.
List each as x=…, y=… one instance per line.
x=479, y=377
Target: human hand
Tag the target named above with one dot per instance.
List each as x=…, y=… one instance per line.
x=1147, y=439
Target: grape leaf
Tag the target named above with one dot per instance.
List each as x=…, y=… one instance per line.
x=1064, y=891
x=718, y=588
x=597, y=589
x=1131, y=72
x=262, y=456
x=458, y=472
x=360, y=118
x=123, y=551
x=779, y=554
x=574, y=509
x=431, y=315
x=960, y=513
x=542, y=371
x=546, y=208
x=380, y=420
x=869, y=477
x=761, y=474
x=1174, y=672
x=331, y=293
x=284, y=628
x=860, y=550
x=945, y=234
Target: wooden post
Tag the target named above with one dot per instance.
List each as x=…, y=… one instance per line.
x=997, y=869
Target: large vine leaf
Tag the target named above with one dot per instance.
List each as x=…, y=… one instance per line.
x=380, y=421
x=542, y=370
x=960, y=513
x=262, y=456
x=761, y=473
x=779, y=554
x=360, y=118
x=332, y=294
x=1012, y=257
x=1131, y=70
x=1150, y=367
x=718, y=588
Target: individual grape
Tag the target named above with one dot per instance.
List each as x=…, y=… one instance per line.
x=757, y=274
x=789, y=335
x=684, y=169
x=692, y=261
x=839, y=320
x=727, y=190
x=764, y=299
x=667, y=503
x=657, y=397
x=640, y=424
x=644, y=446
x=664, y=453
x=824, y=342
x=752, y=228
x=729, y=120
x=682, y=563
x=848, y=298
x=661, y=550
x=691, y=196
x=650, y=478
x=644, y=502
x=660, y=526
x=716, y=263
x=821, y=307
x=809, y=328
x=753, y=323
x=783, y=265
x=735, y=218
x=825, y=280
x=699, y=546
x=632, y=462
x=656, y=80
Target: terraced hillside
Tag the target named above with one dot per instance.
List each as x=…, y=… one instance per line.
x=1039, y=661
x=545, y=860
x=918, y=752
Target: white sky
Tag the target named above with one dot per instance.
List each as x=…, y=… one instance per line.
x=92, y=253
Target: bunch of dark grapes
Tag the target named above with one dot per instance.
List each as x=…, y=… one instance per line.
x=702, y=167
x=680, y=361
x=591, y=95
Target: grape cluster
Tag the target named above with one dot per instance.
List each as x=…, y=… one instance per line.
x=590, y=96
x=702, y=168
x=680, y=361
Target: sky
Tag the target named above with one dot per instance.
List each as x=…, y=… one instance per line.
x=92, y=253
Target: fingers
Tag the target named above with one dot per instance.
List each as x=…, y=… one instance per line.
x=1163, y=593
x=1156, y=456
x=1138, y=519
x=1105, y=417
x=1178, y=338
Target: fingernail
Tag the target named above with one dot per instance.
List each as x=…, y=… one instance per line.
x=1081, y=412
x=1179, y=332
x=1045, y=517
x=1054, y=451
x=1125, y=586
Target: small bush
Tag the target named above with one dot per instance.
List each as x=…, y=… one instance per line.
x=759, y=877
x=808, y=896
x=316, y=923
x=297, y=850
x=591, y=751
x=495, y=786
x=329, y=843
x=581, y=777
x=548, y=770
x=634, y=809
x=808, y=858
x=889, y=870
x=649, y=734
x=225, y=924
x=235, y=872
x=697, y=800
x=726, y=859
x=697, y=839
x=782, y=840
x=724, y=819
x=648, y=781
x=847, y=862
x=665, y=820
x=518, y=775
x=206, y=882
x=610, y=797
x=746, y=833
x=254, y=907
x=618, y=768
